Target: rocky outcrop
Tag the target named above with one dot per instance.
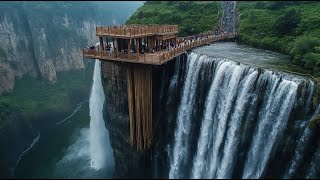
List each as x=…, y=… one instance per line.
x=40, y=44
x=41, y=39
x=6, y=78
x=129, y=162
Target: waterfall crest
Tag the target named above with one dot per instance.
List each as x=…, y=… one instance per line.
x=245, y=116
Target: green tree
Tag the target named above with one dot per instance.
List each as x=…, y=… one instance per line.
x=286, y=23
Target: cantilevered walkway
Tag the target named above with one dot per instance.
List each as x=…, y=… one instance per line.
x=148, y=44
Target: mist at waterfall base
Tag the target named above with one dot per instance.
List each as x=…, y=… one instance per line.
x=93, y=145
x=237, y=121
x=75, y=147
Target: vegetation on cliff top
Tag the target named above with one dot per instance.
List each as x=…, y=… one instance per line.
x=288, y=27
x=193, y=17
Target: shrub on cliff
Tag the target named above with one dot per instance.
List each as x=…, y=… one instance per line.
x=287, y=27
x=315, y=122
x=287, y=22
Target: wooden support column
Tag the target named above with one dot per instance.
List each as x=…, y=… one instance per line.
x=118, y=46
x=131, y=102
x=146, y=44
x=153, y=43
x=175, y=40
x=138, y=44
x=129, y=42
x=101, y=46
x=121, y=45
x=139, y=88
x=156, y=43
x=113, y=44
x=101, y=43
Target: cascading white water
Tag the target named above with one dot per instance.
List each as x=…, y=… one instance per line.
x=298, y=155
x=315, y=162
x=183, y=125
x=232, y=138
x=91, y=150
x=271, y=124
x=314, y=166
x=100, y=150
x=239, y=98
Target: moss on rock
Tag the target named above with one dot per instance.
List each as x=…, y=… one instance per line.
x=315, y=122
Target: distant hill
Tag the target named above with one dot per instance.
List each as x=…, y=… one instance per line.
x=193, y=17
x=291, y=27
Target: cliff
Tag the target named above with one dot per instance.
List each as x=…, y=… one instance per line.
x=42, y=72
x=132, y=163
x=41, y=39
x=129, y=162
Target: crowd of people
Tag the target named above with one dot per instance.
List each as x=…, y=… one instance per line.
x=165, y=46
x=168, y=45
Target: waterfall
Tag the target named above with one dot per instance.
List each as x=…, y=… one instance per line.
x=272, y=121
x=180, y=148
x=99, y=143
x=301, y=146
x=245, y=116
x=314, y=167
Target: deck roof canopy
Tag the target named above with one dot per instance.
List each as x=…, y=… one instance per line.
x=135, y=31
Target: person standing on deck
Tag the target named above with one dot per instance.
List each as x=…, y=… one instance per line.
x=110, y=51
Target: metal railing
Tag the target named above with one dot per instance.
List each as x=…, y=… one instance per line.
x=157, y=57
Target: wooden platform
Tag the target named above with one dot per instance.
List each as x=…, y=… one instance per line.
x=120, y=40
x=156, y=58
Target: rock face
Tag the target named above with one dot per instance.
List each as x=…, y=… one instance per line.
x=41, y=39
x=37, y=41
x=6, y=78
x=129, y=162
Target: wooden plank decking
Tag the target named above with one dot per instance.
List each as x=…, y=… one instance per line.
x=156, y=58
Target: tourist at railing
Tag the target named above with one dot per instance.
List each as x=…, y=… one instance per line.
x=173, y=48
x=110, y=51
